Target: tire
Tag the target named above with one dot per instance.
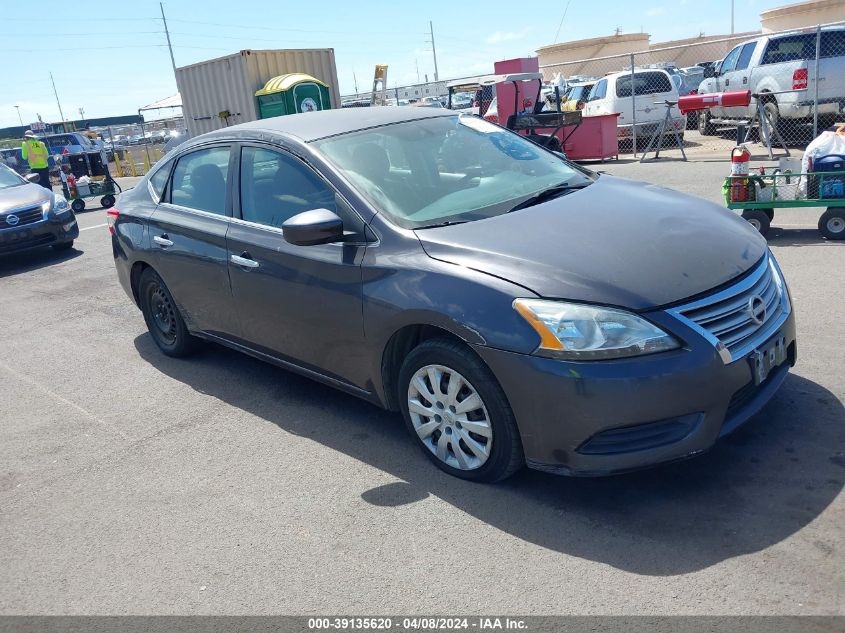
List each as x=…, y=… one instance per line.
x=63, y=246
x=759, y=219
x=164, y=322
x=692, y=120
x=78, y=205
x=705, y=127
x=497, y=452
x=107, y=201
x=832, y=223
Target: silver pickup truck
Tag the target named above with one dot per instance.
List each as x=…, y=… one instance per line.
x=776, y=64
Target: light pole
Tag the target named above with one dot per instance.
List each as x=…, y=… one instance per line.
x=18, y=108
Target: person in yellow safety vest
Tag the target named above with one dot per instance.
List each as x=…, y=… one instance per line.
x=34, y=152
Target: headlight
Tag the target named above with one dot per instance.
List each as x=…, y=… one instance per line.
x=583, y=332
x=60, y=205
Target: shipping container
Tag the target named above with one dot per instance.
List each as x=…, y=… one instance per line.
x=221, y=92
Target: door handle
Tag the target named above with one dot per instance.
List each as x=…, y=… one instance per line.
x=162, y=240
x=727, y=82
x=243, y=260
x=745, y=80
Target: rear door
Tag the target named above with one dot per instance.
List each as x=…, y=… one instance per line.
x=188, y=238
x=299, y=303
x=651, y=88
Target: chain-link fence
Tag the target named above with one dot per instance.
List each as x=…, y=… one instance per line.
x=138, y=146
x=796, y=80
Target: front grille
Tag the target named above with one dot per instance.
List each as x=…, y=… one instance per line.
x=732, y=319
x=24, y=216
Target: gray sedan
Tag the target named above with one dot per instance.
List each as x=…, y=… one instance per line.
x=516, y=308
x=32, y=216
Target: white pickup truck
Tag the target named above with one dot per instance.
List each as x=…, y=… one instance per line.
x=776, y=65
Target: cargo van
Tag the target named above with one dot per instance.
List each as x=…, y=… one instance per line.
x=650, y=88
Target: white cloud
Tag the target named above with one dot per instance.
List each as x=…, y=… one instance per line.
x=507, y=36
x=655, y=11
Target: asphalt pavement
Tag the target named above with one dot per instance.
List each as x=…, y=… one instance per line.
x=133, y=483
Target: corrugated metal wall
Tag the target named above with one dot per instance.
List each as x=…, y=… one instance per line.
x=229, y=83
x=317, y=62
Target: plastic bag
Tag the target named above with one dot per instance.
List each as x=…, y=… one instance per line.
x=824, y=144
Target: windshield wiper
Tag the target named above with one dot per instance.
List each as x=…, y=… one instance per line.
x=547, y=194
x=439, y=224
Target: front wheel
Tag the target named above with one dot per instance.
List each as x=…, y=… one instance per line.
x=832, y=223
x=107, y=201
x=705, y=127
x=759, y=219
x=163, y=320
x=458, y=413
x=78, y=205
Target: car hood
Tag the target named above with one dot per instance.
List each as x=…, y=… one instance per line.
x=22, y=197
x=615, y=242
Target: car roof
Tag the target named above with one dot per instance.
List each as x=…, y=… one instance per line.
x=311, y=126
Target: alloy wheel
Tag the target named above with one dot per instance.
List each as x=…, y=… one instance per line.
x=450, y=417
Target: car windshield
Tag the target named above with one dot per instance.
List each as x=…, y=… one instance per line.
x=447, y=170
x=8, y=178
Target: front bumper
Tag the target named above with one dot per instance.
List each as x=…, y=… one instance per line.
x=39, y=234
x=686, y=399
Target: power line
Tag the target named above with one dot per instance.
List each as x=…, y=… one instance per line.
x=275, y=29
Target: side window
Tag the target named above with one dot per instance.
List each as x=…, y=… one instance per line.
x=745, y=56
x=729, y=63
x=159, y=179
x=599, y=91
x=275, y=187
x=832, y=44
x=199, y=180
x=790, y=48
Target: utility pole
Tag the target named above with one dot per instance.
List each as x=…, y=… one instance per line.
x=167, y=35
x=433, y=50
x=18, y=108
x=82, y=113
x=61, y=114
x=417, y=62
x=355, y=79
x=732, y=17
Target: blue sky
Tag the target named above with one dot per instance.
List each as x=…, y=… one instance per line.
x=116, y=61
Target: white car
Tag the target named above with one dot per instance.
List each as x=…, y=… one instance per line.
x=651, y=89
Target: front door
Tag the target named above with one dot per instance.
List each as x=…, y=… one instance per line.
x=299, y=303
x=188, y=239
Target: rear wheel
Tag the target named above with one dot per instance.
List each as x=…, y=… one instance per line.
x=107, y=201
x=458, y=413
x=78, y=205
x=832, y=223
x=163, y=320
x=705, y=127
x=759, y=219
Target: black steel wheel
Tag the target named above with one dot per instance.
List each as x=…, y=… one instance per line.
x=759, y=219
x=832, y=223
x=78, y=205
x=163, y=320
x=107, y=201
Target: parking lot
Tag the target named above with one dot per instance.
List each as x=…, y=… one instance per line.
x=136, y=483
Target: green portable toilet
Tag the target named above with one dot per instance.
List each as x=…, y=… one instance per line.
x=292, y=93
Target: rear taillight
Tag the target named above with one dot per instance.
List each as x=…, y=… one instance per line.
x=493, y=118
x=799, y=79
x=111, y=218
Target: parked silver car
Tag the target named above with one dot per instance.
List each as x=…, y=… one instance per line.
x=783, y=67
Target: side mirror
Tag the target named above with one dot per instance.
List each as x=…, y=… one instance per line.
x=318, y=226
x=33, y=178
